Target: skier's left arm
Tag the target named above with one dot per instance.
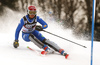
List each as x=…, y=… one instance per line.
x=42, y=22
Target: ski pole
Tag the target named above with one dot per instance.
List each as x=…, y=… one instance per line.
x=65, y=39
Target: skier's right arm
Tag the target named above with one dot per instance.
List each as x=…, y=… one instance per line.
x=19, y=27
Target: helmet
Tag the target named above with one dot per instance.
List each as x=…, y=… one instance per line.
x=31, y=10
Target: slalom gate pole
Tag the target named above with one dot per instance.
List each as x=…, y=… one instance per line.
x=92, y=35
x=64, y=39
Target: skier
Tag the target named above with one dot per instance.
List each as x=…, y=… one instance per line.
x=30, y=32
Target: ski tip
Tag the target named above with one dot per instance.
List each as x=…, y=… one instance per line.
x=27, y=46
x=66, y=56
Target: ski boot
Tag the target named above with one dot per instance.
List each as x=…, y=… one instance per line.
x=47, y=50
x=15, y=44
x=61, y=51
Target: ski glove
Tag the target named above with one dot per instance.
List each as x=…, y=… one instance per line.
x=38, y=28
x=15, y=44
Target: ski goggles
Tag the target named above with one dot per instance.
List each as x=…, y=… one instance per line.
x=32, y=12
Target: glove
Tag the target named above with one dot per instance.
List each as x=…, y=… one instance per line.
x=15, y=44
x=38, y=28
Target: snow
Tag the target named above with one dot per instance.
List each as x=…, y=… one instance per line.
x=23, y=56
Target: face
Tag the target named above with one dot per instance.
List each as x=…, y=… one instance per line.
x=31, y=16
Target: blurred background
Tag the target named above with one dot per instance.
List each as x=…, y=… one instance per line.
x=70, y=14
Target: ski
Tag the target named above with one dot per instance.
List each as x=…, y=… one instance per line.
x=37, y=52
x=43, y=53
x=33, y=50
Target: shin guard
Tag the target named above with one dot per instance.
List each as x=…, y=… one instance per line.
x=52, y=45
x=36, y=41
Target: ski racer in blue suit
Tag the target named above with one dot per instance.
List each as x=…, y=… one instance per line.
x=25, y=32
x=30, y=32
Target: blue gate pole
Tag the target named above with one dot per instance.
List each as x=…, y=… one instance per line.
x=93, y=21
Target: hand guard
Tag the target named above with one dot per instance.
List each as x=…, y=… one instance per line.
x=15, y=44
x=38, y=28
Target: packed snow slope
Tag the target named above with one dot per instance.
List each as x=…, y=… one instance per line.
x=23, y=56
